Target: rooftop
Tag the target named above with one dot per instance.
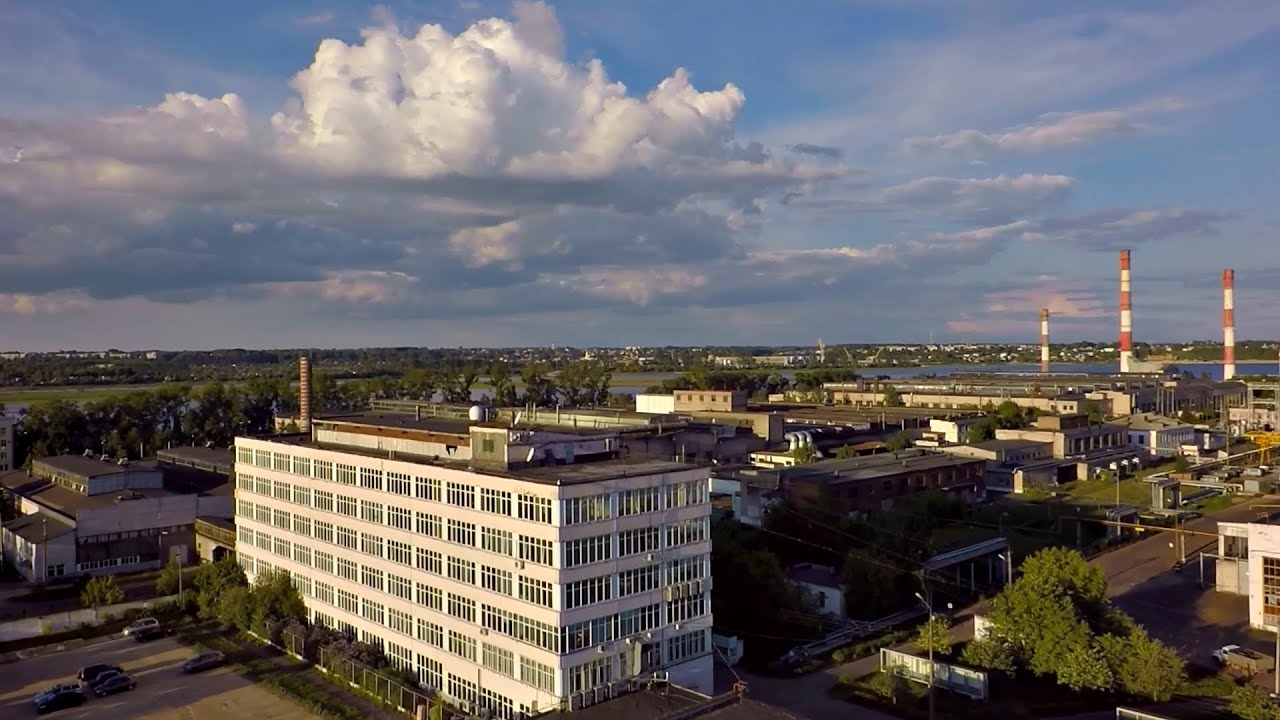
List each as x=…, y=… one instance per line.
x=1006, y=444
x=90, y=467
x=61, y=499
x=446, y=425
x=213, y=459
x=584, y=471
x=38, y=527
x=672, y=703
x=870, y=467
x=812, y=574
x=1149, y=421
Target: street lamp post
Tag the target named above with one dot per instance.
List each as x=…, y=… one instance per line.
x=928, y=606
x=1007, y=557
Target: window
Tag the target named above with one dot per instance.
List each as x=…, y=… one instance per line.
x=589, y=675
x=535, y=550
x=283, y=548
x=521, y=628
x=323, y=500
x=323, y=531
x=639, y=541
x=348, y=601
x=430, y=561
x=399, y=622
x=495, y=501
x=426, y=488
x=322, y=469
x=462, y=533
x=371, y=511
x=495, y=541
x=348, y=506
x=575, y=511
x=430, y=525
x=345, y=474
x=534, y=509
x=431, y=671
x=462, y=570
x=687, y=607
x=690, y=644
x=399, y=586
x=461, y=688
x=498, y=581
x=399, y=657
x=244, y=456
x=302, y=495
x=461, y=494
x=586, y=551
x=590, y=591
x=502, y=707
x=687, y=569
x=639, y=502
x=535, y=674
x=399, y=552
x=282, y=519
x=535, y=591
x=498, y=660
x=280, y=462
x=1271, y=590
x=684, y=494
x=371, y=478
x=324, y=592
x=375, y=611
x=686, y=532
x=323, y=561
x=638, y=620
x=301, y=466
x=302, y=555
x=400, y=484
x=371, y=544
x=283, y=490
x=348, y=570
x=430, y=597
x=372, y=577
x=633, y=582
x=462, y=645
x=302, y=525
x=463, y=608
x=430, y=633
x=348, y=538
x=399, y=518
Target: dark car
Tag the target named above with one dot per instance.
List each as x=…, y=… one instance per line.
x=149, y=633
x=103, y=677
x=60, y=700
x=91, y=673
x=204, y=661
x=113, y=685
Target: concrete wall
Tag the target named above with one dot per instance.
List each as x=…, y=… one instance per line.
x=140, y=514
x=655, y=404
x=710, y=400
x=37, y=561
x=63, y=621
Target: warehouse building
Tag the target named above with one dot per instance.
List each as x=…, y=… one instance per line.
x=95, y=515
x=513, y=566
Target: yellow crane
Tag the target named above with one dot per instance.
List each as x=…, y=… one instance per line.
x=1267, y=443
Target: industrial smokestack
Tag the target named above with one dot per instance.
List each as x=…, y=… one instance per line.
x=1126, y=315
x=1228, y=324
x=1044, y=340
x=304, y=393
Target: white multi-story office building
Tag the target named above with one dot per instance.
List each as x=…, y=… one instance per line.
x=514, y=569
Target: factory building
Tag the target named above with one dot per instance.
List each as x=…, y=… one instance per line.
x=1160, y=436
x=94, y=515
x=514, y=565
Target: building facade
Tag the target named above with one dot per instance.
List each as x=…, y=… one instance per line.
x=1156, y=434
x=8, y=427
x=504, y=584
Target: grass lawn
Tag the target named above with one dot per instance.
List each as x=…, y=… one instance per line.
x=1103, y=492
x=75, y=393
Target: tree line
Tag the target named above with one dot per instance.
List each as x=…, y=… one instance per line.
x=757, y=384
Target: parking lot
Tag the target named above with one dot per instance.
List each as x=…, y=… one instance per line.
x=163, y=692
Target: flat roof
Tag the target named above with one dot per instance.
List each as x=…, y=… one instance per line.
x=214, y=456
x=61, y=499
x=38, y=527
x=452, y=426
x=1007, y=444
x=219, y=522
x=869, y=467
x=659, y=703
x=90, y=467
x=587, y=471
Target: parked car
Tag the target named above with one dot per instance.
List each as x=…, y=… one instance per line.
x=105, y=677
x=60, y=687
x=113, y=685
x=61, y=700
x=1240, y=660
x=150, y=633
x=141, y=624
x=91, y=673
x=204, y=661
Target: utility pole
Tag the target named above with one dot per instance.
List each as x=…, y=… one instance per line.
x=929, y=607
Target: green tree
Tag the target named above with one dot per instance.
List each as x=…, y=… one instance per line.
x=167, y=583
x=844, y=452
x=1144, y=666
x=935, y=635
x=101, y=591
x=235, y=608
x=1249, y=702
x=898, y=442
x=805, y=454
x=890, y=396
x=212, y=581
x=1181, y=464
x=273, y=600
x=989, y=654
x=982, y=430
x=503, y=383
x=1082, y=666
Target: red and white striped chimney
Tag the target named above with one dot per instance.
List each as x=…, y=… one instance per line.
x=1228, y=324
x=1126, y=315
x=1044, y=340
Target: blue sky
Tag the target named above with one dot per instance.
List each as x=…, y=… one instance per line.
x=608, y=173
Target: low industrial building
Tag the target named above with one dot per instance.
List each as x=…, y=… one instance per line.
x=94, y=515
x=7, y=433
x=1248, y=563
x=821, y=587
x=1159, y=435
x=874, y=482
x=710, y=400
x=1069, y=435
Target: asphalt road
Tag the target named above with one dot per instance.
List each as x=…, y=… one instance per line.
x=163, y=693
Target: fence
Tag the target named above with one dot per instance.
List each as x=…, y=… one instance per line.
x=398, y=695
x=963, y=680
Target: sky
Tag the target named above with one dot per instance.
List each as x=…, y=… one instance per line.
x=460, y=173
